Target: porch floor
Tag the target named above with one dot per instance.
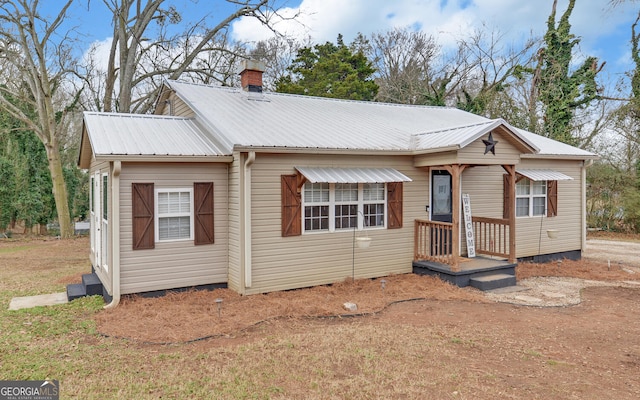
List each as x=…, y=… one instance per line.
x=469, y=268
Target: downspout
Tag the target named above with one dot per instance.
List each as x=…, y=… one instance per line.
x=246, y=231
x=583, y=176
x=115, y=235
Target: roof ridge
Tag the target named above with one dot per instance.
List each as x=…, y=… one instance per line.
x=304, y=96
x=133, y=115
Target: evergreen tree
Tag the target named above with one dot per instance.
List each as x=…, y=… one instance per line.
x=561, y=90
x=330, y=70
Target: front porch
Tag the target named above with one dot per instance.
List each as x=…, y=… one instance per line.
x=437, y=252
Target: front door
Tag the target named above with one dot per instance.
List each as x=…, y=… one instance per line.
x=441, y=210
x=441, y=196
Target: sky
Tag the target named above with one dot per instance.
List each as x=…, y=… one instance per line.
x=604, y=31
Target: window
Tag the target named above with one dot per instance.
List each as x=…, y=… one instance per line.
x=105, y=198
x=531, y=198
x=316, y=213
x=331, y=207
x=373, y=204
x=174, y=214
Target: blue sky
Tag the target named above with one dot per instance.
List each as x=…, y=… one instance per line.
x=605, y=32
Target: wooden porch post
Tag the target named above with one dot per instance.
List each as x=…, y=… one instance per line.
x=511, y=170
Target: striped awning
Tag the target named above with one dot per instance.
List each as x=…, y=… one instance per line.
x=352, y=175
x=543, y=175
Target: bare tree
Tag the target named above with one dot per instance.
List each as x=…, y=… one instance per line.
x=34, y=95
x=408, y=67
x=278, y=54
x=137, y=62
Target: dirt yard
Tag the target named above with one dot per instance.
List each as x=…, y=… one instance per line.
x=486, y=348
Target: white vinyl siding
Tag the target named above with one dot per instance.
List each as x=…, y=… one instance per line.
x=484, y=184
x=280, y=263
x=173, y=264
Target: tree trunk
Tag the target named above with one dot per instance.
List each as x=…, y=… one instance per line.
x=59, y=190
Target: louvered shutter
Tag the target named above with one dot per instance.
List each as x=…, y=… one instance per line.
x=552, y=198
x=203, y=213
x=291, y=206
x=394, y=205
x=142, y=210
x=507, y=202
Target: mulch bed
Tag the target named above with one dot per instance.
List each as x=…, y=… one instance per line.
x=182, y=317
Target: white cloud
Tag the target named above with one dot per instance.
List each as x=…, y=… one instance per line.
x=594, y=21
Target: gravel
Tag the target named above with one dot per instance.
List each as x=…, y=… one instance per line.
x=563, y=292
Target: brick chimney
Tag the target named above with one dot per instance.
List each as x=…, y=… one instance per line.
x=251, y=75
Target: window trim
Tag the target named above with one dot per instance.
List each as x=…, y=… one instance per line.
x=332, y=206
x=157, y=215
x=531, y=196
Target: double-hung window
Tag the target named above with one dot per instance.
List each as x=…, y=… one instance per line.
x=531, y=198
x=174, y=214
x=334, y=207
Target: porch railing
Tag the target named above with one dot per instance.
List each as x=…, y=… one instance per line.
x=491, y=236
x=432, y=241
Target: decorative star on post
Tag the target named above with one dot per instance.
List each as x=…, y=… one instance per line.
x=490, y=144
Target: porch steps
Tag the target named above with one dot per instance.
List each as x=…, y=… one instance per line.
x=90, y=286
x=493, y=281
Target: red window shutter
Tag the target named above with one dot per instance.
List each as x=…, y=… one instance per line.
x=552, y=198
x=507, y=202
x=291, y=206
x=394, y=205
x=142, y=206
x=203, y=213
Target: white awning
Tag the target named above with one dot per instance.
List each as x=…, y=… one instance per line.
x=543, y=175
x=352, y=175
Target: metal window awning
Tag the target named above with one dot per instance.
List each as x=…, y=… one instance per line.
x=543, y=175
x=352, y=175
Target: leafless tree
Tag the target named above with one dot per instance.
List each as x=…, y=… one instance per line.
x=138, y=62
x=32, y=83
x=408, y=67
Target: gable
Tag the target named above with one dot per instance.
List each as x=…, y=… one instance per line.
x=507, y=147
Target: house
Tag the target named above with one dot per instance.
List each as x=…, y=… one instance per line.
x=267, y=191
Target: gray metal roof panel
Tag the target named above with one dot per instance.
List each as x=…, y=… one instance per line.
x=552, y=147
x=232, y=117
x=135, y=134
x=353, y=175
x=282, y=120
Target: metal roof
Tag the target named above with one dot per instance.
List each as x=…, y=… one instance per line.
x=293, y=121
x=227, y=119
x=543, y=175
x=265, y=120
x=353, y=175
x=550, y=147
x=149, y=135
x=461, y=136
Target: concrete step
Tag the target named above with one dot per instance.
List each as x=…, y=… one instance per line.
x=75, y=291
x=490, y=282
x=92, y=284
